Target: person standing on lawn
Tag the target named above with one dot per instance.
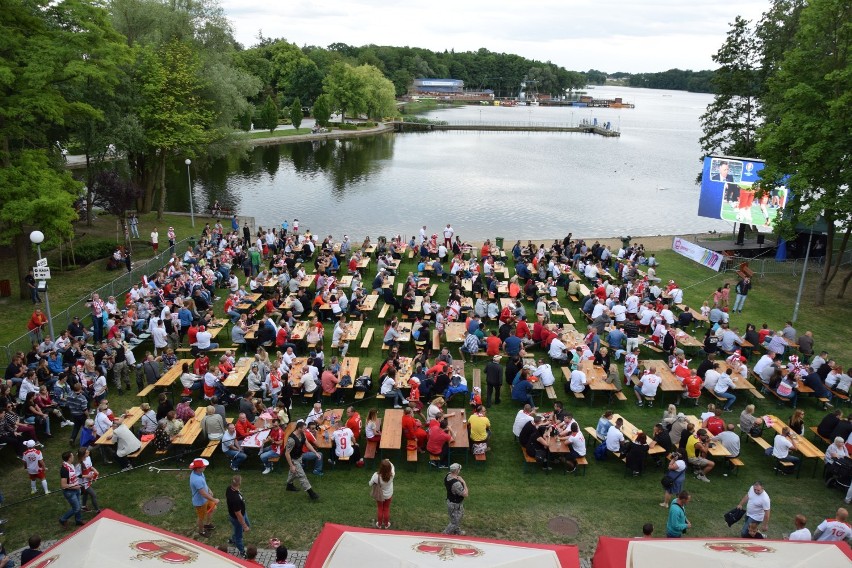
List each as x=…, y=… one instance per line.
x=237, y=513
x=456, y=493
x=202, y=498
x=757, y=507
x=384, y=479
x=293, y=453
x=678, y=524
x=70, y=484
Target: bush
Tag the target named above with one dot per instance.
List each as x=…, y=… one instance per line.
x=90, y=251
x=368, y=124
x=347, y=126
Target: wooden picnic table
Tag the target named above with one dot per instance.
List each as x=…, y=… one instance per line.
x=740, y=382
x=131, y=417
x=803, y=445
x=216, y=326
x=467, y=285
x=569, y=335
x=248, y=301
x=325, y=427
x=630, y=431
x=173, y=374
x=345, y=281
x=238, y=373
x=307, y=281
x=584, y=290
x=717, y=450
x=349, y=366
x=406, y=368
x=505, y=303
x=417, y=306
x=393, y=264
x=353, y=331
x=300, y=330
x=364, y=262
x=455, y=331
x=457, y=421
x=696, y=315
x=500, y=266
x=369, y=303
x=687, y=340
x=423, y=283
x=295, y=374
x=503, y=288
x=670, y=382
x=191, y=429
x=404, y=329
x=596, y=378
x=388, y=281
x=391, y=430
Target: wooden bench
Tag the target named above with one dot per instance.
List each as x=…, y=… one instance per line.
x=593, y=434
x=139, y=451
x=574, y=298
x=818, y=435
x=619, y=396
x=210, y=448
x=433, y=290
x=411, y=454
x=368, y=337
x=716, y=396
x=582, y=464
x=436, y=340
x=567, y=313
x=479, y=457
x=147, y=390
x=764, y=445
x=551, y=392
x=840, y=395
x=736, y=464
x=399, y=288
x=781, y=400
x=527, y=459
x=372, y=447
x=186, y=350
x=476, y=379
x=577, y=395
x=756, y=394
x=384, y=311
x=368, y=372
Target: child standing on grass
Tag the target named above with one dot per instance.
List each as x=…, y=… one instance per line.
x=34, y=461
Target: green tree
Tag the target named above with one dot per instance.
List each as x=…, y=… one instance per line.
x=346, y=90
x=173, y=113
x=322, y=110
x=296, y=113
x=809, y=132
x=268, y=118
x=377, y=92
x=48, y=50
x=34, y=194
x=730, y=122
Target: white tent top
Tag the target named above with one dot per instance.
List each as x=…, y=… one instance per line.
x=344, y=547
x=732, y=553
x=117, y=541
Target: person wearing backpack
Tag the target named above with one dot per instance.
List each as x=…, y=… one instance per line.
x=678, y=524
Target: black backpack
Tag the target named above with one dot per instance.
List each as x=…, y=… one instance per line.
x=363, y=384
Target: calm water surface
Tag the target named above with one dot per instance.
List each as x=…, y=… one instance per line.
x=520, y=185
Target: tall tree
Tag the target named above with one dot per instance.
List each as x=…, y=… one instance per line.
x=173, y=112
x=116, y=195
x=808, y=132
x=346, y=89
x=730, y=122
x=47, y=50
x=296, y=113
x=268, y=118
x=321, y=110
x=377, y=92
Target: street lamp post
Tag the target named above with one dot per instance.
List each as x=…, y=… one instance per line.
x=37, y=237
x=189, y=183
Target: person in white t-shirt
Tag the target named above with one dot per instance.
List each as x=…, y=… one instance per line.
x=524, y=415
x=545, y=374
x=281, y=558
x=614, y=437
x=757, y=507
x=448, y=236
x=578, y=381
x=802, y=533
x=557, y=350
x=648, y=384
x=836, y=529
x=36, y=469
x=782, y=445
x=344, y=445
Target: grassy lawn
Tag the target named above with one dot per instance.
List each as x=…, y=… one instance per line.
x=503, y=502
x=275, y=133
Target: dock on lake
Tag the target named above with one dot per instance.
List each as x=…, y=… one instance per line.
x=588, y=128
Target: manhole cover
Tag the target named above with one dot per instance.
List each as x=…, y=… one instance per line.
x=564, y=526
x=158, y=506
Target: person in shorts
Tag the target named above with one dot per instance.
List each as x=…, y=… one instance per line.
x=202, y=498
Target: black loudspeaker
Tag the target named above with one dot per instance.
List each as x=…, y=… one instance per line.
x=760, y=238
x=741, y=235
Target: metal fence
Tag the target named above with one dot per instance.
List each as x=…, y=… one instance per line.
x=762, y=266
x=117, y=287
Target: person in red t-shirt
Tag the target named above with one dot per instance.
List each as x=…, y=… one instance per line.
x=439, y=438
x=191, y=333
x=493, y=345
x=201, y=365
x=538, y=330
x=505, y=315
x=353, y=422
x=523, y=330
x=693, y=384
x=244, y=427
x=276, y=439
x=715, y=424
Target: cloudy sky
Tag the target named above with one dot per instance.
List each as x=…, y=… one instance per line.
x=610, y=35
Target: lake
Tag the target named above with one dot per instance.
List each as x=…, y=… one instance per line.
x=518, y=185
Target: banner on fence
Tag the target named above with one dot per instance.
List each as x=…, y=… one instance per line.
x=701, y=255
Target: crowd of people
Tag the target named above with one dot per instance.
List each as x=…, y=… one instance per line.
x=66, y=377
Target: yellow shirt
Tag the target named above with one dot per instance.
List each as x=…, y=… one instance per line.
x=478, y=425
x=690, y=446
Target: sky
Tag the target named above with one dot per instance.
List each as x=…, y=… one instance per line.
x=608, y=35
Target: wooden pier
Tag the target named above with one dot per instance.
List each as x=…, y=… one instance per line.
x=401, y=126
